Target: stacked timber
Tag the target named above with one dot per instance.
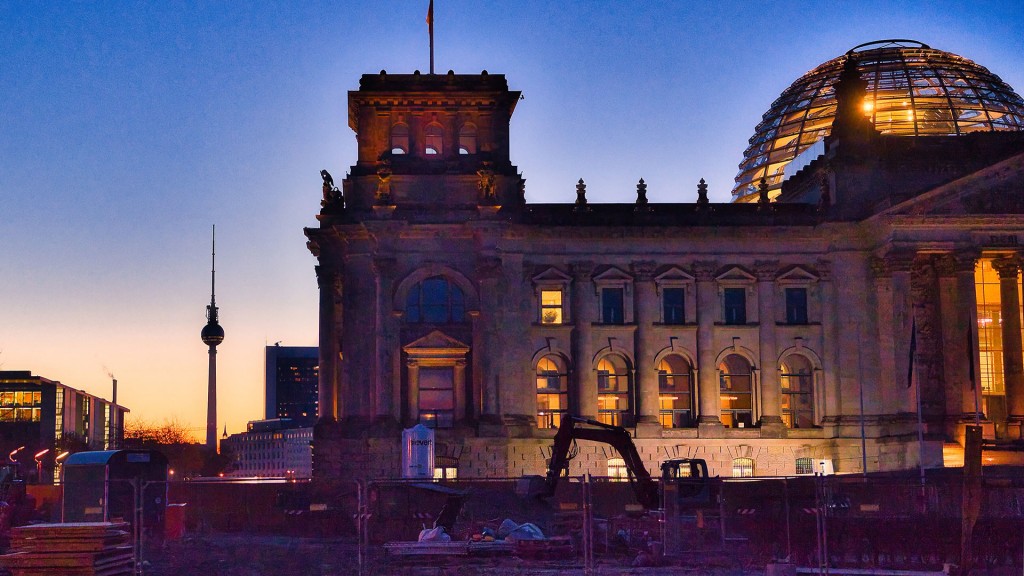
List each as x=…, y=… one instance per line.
x=71, y=549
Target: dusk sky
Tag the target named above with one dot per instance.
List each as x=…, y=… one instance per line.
x=127, y=129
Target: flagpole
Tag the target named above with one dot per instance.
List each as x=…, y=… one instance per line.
x=430, y=28
x=917, y=391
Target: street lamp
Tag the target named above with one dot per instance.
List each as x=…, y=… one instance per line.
x=59, y=462
x=13, y=452
x=39, y=465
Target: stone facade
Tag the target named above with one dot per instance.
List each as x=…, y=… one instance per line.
x=771, y=331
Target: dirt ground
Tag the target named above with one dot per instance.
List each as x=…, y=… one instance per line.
x=257, y=555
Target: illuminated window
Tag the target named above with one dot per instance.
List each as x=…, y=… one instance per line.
x=736, y=392
x=617, y=469
x=742, y=468
x=467, y=139
x=552, y=391
x=804, y=466
x=551, y=307
x=675, y=392
x=446, y=473
x=400, y=139
x=990, y=337
x=613, y=391
x=435, y=301
x=797, y=382
x=433, y=140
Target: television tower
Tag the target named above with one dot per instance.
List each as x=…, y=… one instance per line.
x=212, y=335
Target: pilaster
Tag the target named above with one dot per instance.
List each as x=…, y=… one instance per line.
x=771, y=421
x=1008, y=268
x=709, y=422
x=645, y=313
x=583, y=315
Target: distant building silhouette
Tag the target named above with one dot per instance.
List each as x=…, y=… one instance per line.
x=292, y=376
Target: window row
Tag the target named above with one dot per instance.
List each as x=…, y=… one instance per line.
x=673, y=306
x=677, y=395
x=21, y=398
x=431, y=141
x=741, y=467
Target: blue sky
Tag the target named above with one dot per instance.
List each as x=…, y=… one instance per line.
x=128, y=128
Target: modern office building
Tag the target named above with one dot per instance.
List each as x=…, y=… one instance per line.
x=291, y=383
x=273, y=448
x=873, y=275
x=38, y=414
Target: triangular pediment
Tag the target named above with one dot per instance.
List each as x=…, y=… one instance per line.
x=551, y=275
x=798, y=274
x=674, y=274
x=613, y=274
x=995, y=189
x=436, y=341
x=735, y=274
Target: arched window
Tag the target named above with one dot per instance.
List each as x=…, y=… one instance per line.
x=614, y=391
x=797, y=381
x=552, y=391
x=736, y=386
x=433, y=140
x=435, y=301
x=467, y=139
x=742, y=468
x=675, y=390
x=400, y=139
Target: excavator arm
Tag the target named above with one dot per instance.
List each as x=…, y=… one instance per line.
x=573, y=428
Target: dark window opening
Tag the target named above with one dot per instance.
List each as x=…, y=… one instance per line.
x=796, y=305
x=735, y=305
x=613, y=306
x=674, y=310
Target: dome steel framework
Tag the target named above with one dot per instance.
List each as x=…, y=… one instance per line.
x=912, y=90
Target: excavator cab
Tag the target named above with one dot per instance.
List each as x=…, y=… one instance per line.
x=687, y=478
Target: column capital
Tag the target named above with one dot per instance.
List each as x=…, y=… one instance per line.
x=900, y=260
x=327, y=277
x=966, y=260
x=945, y=265
x=582, y=270
x=1007, y=266
x=643, y=271
x=765, y=270
x=880, y=267
x=704, y=270
x=488, y=267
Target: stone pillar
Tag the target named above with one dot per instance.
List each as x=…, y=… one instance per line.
x=1013, y=357
x=584, y=311
x=329, y=283
x=954, y=341
x=386, y=342
x=883, y=395
x=830, y=403
x=645, y=312
x=965, y=262
x=708, y=399
x=771, y=421
x=899, y=396
x=487, y=352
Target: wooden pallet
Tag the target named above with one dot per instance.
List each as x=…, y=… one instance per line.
x=71, y=549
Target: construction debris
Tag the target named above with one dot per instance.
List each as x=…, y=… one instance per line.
x=70, y=549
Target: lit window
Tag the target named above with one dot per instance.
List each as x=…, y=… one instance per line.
x=675, y=392
x=736, y=392
x=612, y=305
x=551, y=307
x=552, y=391
x=797, y=383
x=613, y=391
x=673, y=308
x=796, y=305
x=743, y=468
x=617, y=470
x=735, y=305
x=804, y=466
x=446, y=473
x=433, y=144
x=400, y=139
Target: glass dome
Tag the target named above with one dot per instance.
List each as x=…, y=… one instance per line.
x=912, y=90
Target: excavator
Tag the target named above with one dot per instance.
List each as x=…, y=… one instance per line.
x=686, y=477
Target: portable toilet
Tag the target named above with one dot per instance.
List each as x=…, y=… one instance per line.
x=112, y=484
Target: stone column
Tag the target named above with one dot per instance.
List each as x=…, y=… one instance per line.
x=965, y=262
x=771, y=421
x=954, y=340
x=645, y=312
x=386, y=340
x=488, y=271
x=584, y=311
x=831, y=404
x=896, y=394
x=1013, y=357
x=329, y=283
x=882, y=397
x=709, y=422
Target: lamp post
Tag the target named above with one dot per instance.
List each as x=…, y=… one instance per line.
x=39, y=465
x=59, y=461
